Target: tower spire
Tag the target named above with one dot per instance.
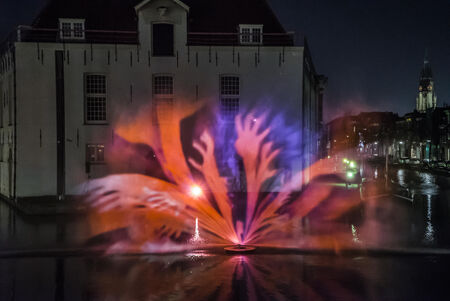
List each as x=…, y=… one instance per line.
x=425, y=58
x=426, y=72
x=426, y=98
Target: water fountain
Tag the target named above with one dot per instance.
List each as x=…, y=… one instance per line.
x=191, y=205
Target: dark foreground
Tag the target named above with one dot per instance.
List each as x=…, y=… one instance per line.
x=202, y=276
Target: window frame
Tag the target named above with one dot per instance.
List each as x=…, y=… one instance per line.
x=86, y=95
x=97, y=146
x=72, y=22
x=251, y=27
x=162, y=97
x=225, y=113
x=153, y=38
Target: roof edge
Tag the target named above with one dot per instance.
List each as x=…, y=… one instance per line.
x=145, y=2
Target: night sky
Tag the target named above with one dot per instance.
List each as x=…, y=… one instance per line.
x=372, y=51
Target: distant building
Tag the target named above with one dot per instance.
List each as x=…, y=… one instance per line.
x=369, y=133
x=441, y=133
x=423, y=136
x=412, y=138
x=66, y=79
x=426, y=98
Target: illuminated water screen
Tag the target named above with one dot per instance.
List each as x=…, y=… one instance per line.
x=213, y=180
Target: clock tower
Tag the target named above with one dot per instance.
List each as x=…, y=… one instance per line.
x=426, y=99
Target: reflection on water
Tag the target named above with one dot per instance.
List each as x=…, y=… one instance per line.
x=401, y=177
x=427, y=184
x=221, y=277
x=430, y=210
x=429, y=233
x=19, y=231
x=417, y=182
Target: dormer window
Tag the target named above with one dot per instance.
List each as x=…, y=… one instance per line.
x=250, y=34
x=163, y=39
x=71, y=29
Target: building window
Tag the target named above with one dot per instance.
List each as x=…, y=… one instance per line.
x=251, y=34
x=229, y=96
x=95, y=98
x=163, y=39
x=66, y=30
x=78, y=30
x=71, y=29
x=10, y=101
x=95, y=153
x=162, y=98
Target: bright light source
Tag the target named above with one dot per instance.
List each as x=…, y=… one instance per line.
x=350, y=175
x=345, y=160
x=196, y=191
x=352, y=164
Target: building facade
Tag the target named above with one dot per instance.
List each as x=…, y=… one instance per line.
x=68, y=78
x=368, y=134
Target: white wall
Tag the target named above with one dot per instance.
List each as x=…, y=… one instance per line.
x=6, y=124
x=37, y=103
x=271, y=79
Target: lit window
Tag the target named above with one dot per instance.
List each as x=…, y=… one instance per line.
x=95, y=98
x=229, y=96
x=95, y=153
x=251, y=34
x=71, y=29
x=162, y=98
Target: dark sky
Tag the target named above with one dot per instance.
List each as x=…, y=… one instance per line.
x=371, y=50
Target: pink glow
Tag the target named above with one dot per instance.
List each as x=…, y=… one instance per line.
x=155, y=210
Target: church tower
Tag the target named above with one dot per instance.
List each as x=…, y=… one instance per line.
x=427, y=97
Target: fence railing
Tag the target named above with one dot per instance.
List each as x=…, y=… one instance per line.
x=239, y=39
x=30, y=34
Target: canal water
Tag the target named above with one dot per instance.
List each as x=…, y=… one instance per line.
x=414, y=219
x=416, y=214
x=221, y=277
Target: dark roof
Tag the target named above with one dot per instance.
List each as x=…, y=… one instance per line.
x=115, y=15
x=226, y=15
x=204, y=16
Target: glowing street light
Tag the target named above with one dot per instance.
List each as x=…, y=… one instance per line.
x=350, y=175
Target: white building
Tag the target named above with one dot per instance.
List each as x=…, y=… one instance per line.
x=66, y=79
